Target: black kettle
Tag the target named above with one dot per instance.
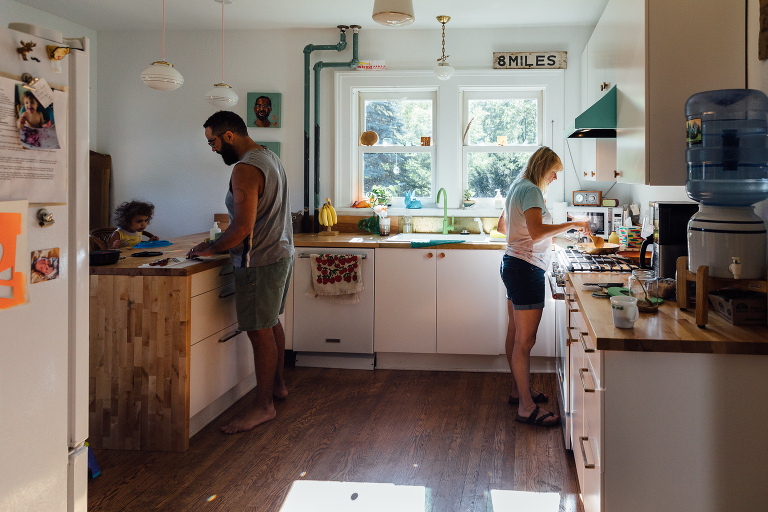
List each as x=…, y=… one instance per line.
x=643, y=248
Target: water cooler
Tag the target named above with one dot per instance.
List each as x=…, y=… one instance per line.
x=727, y=155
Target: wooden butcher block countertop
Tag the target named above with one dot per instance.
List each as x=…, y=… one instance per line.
x=669, y=330
x=129, y=266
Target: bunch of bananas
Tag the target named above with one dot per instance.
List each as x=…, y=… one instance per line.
x=328, y=214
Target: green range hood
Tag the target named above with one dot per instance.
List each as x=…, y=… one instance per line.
x=598, y=121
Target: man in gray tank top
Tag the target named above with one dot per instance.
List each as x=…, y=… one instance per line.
x=260, y=242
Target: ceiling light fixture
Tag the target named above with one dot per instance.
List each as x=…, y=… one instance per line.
x=393, y=13
x=222, y=95
x=443, y=70
x=161, y=75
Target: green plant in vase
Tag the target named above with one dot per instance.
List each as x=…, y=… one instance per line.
x=467, y=198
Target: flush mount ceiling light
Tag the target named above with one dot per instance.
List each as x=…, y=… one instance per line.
x=222, y=95
x=393, y=13
x=161, y=75
x=443, y=70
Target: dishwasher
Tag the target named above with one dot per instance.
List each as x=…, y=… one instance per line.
x=328, y=334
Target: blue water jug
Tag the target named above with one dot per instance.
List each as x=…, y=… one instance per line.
x=727, y=139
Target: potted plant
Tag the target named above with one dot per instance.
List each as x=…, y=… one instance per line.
x=467, y=198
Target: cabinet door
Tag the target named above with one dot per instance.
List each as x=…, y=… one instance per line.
x=467, y=301
x=405, y=301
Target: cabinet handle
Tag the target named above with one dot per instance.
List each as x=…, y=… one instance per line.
x=228, y=273
x=584, y=343
x=429, y=255
x=224, y=295
x=616, y=174
x=584, y=384
x=573, y=307
x=604, y=86
x=587, y=465
x=585, y=174
x=593, y=174
x=229, y=336
x=442, y=255
x=571, y=337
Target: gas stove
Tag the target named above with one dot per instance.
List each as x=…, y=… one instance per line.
x=571, y=260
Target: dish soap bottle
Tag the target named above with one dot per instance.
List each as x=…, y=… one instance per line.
x=215, y=231
x=498, y=199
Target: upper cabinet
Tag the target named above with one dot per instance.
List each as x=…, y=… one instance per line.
x=660, y=53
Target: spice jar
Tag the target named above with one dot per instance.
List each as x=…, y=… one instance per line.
x=644, y=286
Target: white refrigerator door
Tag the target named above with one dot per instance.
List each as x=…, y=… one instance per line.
x=44, y=343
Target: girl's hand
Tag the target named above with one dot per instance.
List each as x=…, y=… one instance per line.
x=152, y=239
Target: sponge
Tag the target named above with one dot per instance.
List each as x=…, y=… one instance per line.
x=496, y=234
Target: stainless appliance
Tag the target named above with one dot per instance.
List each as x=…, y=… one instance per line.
x=670, y=235
x=599, y=217
x=569, y=260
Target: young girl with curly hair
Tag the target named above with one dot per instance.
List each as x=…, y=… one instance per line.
x=131, y=219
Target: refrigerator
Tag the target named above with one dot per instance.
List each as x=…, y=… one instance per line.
x=44, y=341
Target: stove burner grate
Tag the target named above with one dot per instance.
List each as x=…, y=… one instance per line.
x=575, y=261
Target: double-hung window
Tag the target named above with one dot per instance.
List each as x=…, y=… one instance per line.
x=503, y=128
x=475, y=131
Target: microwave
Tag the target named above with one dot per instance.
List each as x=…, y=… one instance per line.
x=600, y=218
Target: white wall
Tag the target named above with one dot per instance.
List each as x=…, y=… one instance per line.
x=14, y=12
x=156, y=138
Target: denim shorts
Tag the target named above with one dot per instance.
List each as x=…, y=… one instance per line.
x=260, y=294
x=524, y=283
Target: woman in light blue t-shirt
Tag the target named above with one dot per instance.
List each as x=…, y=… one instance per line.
x=529, y=229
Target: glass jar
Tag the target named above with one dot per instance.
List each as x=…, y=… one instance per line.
x=644, y=286
x=407, y=224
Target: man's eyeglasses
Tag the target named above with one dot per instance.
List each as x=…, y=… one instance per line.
x=212, y=142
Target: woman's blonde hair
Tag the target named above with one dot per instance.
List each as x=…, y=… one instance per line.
x=540, y=163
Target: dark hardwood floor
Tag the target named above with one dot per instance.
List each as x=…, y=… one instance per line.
x=451, y=433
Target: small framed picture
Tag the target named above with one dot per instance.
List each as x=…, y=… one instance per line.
x=273, y=146
x=264, y=109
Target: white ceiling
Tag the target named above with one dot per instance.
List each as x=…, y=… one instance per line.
x=109, y=15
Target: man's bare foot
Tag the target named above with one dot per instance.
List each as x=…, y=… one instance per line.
x=279, y=390
x=249, y=419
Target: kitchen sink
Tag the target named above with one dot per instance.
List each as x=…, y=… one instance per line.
x=424, y=237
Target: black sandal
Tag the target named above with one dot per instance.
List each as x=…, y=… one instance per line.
x=540, y=398
x=534, y=419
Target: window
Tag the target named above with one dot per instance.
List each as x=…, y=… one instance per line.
x=398, y=161
x=525, y=106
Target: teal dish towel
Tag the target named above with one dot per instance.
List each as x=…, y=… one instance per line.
x=430, y=243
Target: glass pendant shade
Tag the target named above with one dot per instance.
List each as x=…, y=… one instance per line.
x=222, y=96
x=162, y=76
x=443, y=71
x=393, y=13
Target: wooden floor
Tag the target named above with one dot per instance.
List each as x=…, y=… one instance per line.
x=450, y=436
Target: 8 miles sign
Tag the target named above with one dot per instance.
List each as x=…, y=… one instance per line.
x=530, y=60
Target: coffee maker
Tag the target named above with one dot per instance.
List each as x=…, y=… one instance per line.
x=670, y=235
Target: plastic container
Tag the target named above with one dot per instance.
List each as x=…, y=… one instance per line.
x=727, y=147
x=498, y=199
x=215, y=232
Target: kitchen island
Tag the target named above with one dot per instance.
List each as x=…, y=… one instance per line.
x=666, y=415
x=165, y=353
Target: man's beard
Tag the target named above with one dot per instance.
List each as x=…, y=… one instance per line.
x=228, y=153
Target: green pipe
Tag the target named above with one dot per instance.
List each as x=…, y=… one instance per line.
x=340, y=46
x=352, y=64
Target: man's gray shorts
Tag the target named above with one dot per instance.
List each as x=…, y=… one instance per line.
x=260, y=294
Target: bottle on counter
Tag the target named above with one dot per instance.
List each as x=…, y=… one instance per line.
x=407, y=224
x=613, y=238
x=215, y=232
x=498, y=199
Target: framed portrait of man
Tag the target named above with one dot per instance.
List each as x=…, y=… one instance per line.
x=263, y=109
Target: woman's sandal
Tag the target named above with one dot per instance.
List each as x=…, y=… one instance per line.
x=543, y=420
x=538, y=398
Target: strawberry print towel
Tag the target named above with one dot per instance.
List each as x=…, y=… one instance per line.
x=335, y=277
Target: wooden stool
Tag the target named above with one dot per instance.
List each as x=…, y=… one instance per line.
x=705, y=284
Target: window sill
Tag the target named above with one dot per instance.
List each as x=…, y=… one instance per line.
x=424, y=212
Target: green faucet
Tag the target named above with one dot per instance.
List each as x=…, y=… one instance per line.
x=446, y=226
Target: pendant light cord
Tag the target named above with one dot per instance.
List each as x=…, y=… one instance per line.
x=222, y=41
x=163, y=30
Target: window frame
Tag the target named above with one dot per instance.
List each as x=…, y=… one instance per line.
x=449, y=168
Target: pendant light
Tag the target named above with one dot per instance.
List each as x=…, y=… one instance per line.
x=393, y=13
x=221, y=95
x=443, y=70
x=161, y=75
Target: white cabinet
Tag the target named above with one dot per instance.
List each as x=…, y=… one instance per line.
x=662, y=53
x=438, y=301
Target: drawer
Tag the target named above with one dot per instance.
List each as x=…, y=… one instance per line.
x=216, y=365
x=212, y=311
x=211, y=279
x=594, y=362
x=592, y=485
